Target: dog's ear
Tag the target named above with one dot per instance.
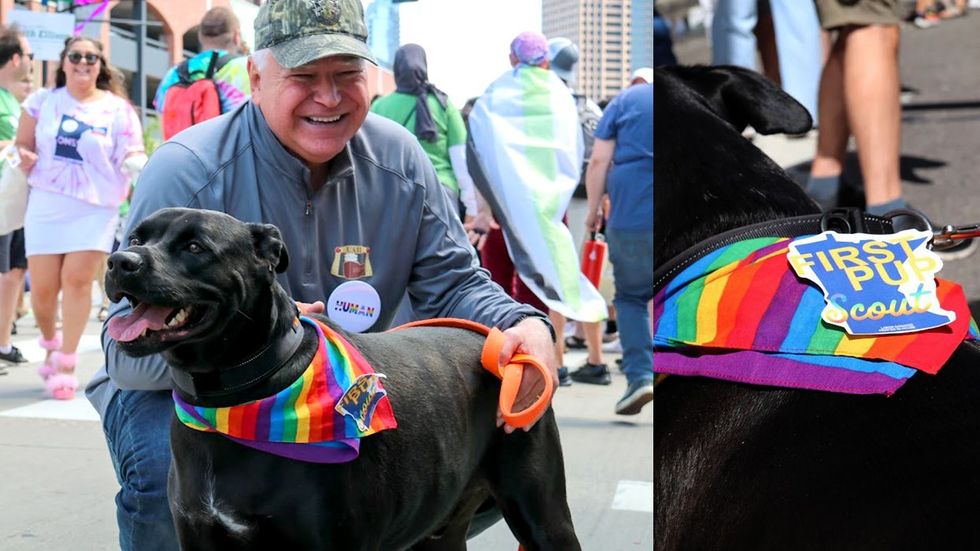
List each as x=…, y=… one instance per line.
x=744, y=97
x=268, y=245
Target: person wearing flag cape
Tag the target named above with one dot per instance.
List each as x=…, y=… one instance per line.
x=525, y=155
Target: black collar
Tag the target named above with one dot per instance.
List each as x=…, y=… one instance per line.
x=841, y=220
x=239, y=377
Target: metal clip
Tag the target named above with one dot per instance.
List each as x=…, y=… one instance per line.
x=949, y=234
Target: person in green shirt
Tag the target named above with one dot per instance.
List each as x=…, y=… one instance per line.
x=427, y=112
x=15, y=70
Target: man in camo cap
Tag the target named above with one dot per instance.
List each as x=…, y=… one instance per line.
x=304, y=154
x=298, y=36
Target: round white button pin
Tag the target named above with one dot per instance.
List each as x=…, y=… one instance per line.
x=354, y=305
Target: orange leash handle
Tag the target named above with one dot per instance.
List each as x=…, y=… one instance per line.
x=511, y=374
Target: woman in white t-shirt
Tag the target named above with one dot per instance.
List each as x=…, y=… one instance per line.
x=76, y=142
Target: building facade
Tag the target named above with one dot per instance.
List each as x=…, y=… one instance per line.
x=381, y=17
x=606, y=37
x=171, y=35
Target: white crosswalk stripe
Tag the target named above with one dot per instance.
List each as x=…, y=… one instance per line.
x=78, y=409
x=34, y=353
x=633, y=495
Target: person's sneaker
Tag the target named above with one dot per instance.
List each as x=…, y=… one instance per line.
x=575, y=343
x=614, y=347
x=14, y=356
x=592, y=374
x=930, y=18
x=563, y=378
x=638, y=394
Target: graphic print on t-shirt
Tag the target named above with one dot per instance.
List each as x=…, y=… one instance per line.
x=69, y=133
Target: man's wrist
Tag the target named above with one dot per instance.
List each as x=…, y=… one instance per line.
x=542, y=319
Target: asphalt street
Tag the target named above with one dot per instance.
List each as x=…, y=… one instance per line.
x=940, y=130
x=57, y=483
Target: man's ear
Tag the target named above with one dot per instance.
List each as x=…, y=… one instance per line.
x=254, y=81
x=268, y=246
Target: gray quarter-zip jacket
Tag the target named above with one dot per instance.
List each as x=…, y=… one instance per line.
x=381, y=193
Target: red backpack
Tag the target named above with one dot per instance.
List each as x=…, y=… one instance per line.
x=189, y=101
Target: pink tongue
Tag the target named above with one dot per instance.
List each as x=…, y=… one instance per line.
x=128, y=328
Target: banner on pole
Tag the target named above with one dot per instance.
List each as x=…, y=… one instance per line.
x=46, y=32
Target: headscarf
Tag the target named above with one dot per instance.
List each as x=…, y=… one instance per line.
x=412, y=77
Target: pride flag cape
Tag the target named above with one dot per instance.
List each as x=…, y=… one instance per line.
x=320, y=418
x=529, y=145
x=740, y=313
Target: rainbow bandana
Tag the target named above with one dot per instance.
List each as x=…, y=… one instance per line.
x=740, y=313
x=320, y=418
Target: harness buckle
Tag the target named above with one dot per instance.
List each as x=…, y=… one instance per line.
x=843, y=220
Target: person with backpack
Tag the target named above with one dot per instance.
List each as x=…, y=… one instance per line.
x=213, y=82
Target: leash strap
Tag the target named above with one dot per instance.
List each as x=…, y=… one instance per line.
x=510, y=374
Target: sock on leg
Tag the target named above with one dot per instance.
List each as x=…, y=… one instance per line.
x=884, y=208
x=823, y=190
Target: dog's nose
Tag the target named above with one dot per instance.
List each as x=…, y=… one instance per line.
x=125, y=262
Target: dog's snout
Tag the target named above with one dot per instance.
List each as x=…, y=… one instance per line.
x=125, y=262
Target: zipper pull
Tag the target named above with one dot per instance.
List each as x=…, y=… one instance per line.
x=309, y=207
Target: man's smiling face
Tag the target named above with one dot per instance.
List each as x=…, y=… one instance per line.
x=314, y=109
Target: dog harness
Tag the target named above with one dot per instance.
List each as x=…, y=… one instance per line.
x=740, y=313
x=319, y=418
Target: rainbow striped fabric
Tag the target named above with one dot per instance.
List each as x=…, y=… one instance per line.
x=740, y=313
x=319, y=418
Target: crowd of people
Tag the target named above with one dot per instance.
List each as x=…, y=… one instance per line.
x=475, y=206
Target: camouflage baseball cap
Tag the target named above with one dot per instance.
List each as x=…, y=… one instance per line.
x=301, y=31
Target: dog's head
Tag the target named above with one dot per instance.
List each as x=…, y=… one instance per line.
x=193, y=277
x=707, y=177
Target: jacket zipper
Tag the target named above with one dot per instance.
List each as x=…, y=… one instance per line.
x=310, y=231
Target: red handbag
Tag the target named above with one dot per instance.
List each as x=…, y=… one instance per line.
x=593, y=257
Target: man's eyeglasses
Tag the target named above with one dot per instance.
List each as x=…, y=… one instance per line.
x=76, y=58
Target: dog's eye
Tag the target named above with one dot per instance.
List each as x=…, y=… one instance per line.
x=133, y=241
x=194, y=247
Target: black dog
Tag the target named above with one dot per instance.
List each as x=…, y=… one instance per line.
x=749, y=467
x=209, y=281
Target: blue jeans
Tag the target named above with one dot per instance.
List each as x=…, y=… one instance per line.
x=631, y=254
x=137, y=430
x=797, y=42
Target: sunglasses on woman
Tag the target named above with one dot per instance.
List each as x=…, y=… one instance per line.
x=77, y=57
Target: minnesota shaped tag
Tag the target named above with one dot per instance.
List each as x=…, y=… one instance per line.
x=873, y=284
x=361, y=398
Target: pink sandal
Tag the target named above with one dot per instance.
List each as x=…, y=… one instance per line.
x=61, y=385
x=48, y=369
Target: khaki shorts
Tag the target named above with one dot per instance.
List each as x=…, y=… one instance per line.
x=837, y=13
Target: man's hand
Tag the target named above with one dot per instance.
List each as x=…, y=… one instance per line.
x=530, y=336
x=306, y=308
x=477, y=227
